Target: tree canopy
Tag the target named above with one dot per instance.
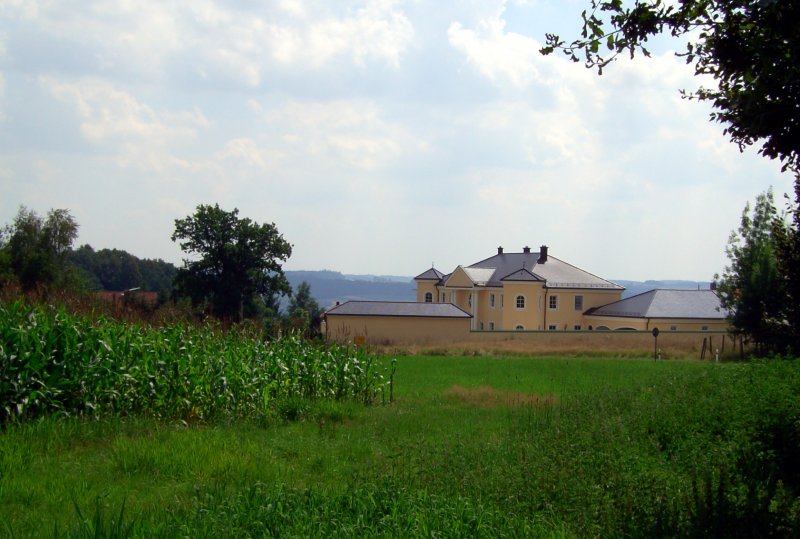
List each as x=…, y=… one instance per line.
x=752, y=287
x=304, y=309
x=751, y=48
x=35, y=248
x=115, y=269
x=239, y=264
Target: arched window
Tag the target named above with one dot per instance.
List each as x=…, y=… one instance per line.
x=520, y=302
x=520, y=327
x=428, y=297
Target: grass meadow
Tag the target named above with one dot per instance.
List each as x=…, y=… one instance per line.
x=469, y=446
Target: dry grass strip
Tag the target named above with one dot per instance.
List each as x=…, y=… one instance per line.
x=633, y=345
x=489, y=397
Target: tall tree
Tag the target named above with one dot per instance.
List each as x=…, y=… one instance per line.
x=305, y=309
x=752, y=287
x=787, y=240
x=239, y=260
x=36, y=247
x=751, y=48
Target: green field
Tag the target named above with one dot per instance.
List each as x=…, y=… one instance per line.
x=492, y=447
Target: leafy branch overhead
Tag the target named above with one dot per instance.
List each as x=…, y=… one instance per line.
x=750, y=47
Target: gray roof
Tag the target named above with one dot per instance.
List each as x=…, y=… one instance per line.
x=522, y=275
x=399, y=308
x=661, y=303
x=557, y=273
x=431, y=275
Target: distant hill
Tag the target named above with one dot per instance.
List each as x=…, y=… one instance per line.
x=328, y=286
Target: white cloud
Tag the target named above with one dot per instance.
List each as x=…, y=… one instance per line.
x=25, y=9
x=211, y=41
x=349, y=131
x=245, y=150
x=376, y=31
x=110, y=115
x=498, y=55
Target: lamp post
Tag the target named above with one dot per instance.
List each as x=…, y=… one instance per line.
x=655, y=347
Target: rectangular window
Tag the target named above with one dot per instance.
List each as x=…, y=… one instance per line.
x=502, y=303
x=551, y=327
x=554, y=302
x=673, y=328
x=491, y=301
x=452, y=296
x=578, y=303
x=577, y=327
x=491, y=326
x=481, y=326
x=704, y=328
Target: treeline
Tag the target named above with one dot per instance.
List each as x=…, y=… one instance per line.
x=36, y=253
x=114, y=269
x=237, y=275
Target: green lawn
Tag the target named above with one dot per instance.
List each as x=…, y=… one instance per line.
x=471, y=446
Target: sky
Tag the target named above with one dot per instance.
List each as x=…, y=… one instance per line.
x=380, y=137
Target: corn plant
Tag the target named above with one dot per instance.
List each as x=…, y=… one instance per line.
x=54, y=362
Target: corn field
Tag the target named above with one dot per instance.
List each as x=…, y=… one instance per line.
x=53, y=362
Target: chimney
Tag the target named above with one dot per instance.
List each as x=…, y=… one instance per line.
x=542, y=254
x=500, y=250
x=526, y=250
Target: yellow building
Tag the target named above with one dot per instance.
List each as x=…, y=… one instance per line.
x=667, y=310
x=524, y=291
x=385, y=322
x=520, y=291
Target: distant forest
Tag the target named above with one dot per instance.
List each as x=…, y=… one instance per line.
x=113, y=269
x=118, y=270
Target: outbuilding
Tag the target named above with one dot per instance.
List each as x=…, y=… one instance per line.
x=390, y=322
x=667, y=310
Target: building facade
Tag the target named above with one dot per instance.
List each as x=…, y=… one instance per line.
x=520, y=291
x=384, y=322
